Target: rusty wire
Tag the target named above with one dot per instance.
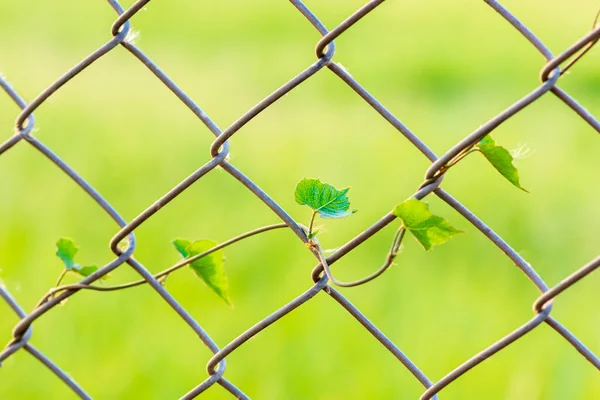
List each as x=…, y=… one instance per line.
x=321, y=275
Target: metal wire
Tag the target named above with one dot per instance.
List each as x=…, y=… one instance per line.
x=325, y=51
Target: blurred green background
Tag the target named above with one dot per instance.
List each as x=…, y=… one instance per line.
x=443, y=68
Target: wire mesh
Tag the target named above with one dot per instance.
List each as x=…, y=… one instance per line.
x=325, y=50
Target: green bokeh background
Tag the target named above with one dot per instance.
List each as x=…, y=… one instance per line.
x=443, y=68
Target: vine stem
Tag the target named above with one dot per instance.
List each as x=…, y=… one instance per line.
x=162, y=274
x=399, y=235
x=61, y=276
x=587, y=48
x=312, y=221
x=461, y=156
x=455, y=161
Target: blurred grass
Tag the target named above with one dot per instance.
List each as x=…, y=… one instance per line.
x=443, y=68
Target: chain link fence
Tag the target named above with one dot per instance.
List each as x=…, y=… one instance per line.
x=325, y=49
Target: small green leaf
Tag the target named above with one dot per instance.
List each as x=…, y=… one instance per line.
x=87, y=271
x=487, y=141
x=181, y=246
x=428, y=229
x=501, y=159
x=323, y=198
x=209, y=268
x=413, y=212
x=66, y=250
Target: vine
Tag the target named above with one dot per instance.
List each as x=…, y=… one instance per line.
x=207, y=260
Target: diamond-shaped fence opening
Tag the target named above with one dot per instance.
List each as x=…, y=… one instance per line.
x=123, y=244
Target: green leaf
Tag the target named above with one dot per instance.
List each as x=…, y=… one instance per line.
x=501, y=159
x=87, y=271
x=181, y=246
x=66, y=250
x=209, y=268
x=487, y=141
x=323, y=198
x=428, y=229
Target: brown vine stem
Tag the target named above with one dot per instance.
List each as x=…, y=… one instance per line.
x=312, y=221
x=162, y=274
x=587, y=48
x=61, y=276
x=388, y=261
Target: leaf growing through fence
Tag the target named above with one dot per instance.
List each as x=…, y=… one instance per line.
x=66, y=250
x=501, y=160
x=181, y=246
x=323, y=198
x=87, y=271
x=428, y=229
x=209, y=268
